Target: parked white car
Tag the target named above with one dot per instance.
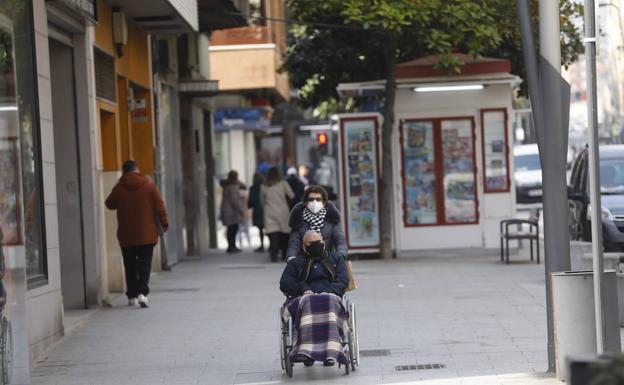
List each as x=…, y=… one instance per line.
x=528, y=174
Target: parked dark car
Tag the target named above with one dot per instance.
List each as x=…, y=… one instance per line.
x=612, y=191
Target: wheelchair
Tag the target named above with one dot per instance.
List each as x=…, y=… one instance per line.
x=349, y=341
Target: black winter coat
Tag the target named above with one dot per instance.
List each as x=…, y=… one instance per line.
x=319, y=279
x=332, y=231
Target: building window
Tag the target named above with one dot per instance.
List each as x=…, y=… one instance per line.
x=104, y=75
x=21, y=197
x=439, y=172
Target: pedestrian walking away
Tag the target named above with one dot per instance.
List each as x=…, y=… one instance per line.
x=141, y=216
x=254, y=203
x=274, y=196
x=296, y=185
x=245, y=223
x=316, y=213
x=232, y=209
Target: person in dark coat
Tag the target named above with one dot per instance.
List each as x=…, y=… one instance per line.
x=316, y=213
x=232, y=209
x=296, y=185
x=255, y=204
x=314, y=284
x=141, y=215
x=317, y=271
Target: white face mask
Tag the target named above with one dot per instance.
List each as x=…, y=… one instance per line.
x=315, y=206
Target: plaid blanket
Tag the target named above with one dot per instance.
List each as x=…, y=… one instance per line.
x=319, y=322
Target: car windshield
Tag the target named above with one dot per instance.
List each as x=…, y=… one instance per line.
x=530, y=162
x=612, y=176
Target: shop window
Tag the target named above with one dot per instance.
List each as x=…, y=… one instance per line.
x=439, y=172
x=21, y=202
x=361, y=180
x=222, y=154
x=495, y=150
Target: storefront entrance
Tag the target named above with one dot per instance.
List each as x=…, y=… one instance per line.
x=68, y=186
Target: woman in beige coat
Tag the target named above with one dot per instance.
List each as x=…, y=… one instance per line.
x=274, y=196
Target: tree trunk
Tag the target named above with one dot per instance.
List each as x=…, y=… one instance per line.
x=387, y=185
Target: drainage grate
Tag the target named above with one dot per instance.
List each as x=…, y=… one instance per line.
x=375, y=353
x=175, y=290
x=241, y=267
x=404, y=368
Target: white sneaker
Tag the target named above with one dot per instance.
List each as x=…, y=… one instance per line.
x=133, y=302
x=143, y=301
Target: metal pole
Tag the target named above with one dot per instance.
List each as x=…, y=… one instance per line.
x=529, y=52
x=553, y=148
x=594, y=173
x=549, y=30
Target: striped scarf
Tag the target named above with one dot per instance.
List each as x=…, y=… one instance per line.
x=316, y=221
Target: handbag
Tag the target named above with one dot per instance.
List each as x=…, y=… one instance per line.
x=352, y=284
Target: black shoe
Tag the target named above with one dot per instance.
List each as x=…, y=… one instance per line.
x=234, y=250
x=329, y=362
x=308, y=363
x=301, y=358
x=259, y=249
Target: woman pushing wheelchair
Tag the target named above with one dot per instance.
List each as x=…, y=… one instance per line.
x=314, y=318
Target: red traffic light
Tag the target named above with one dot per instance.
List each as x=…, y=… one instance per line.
x=321, y=138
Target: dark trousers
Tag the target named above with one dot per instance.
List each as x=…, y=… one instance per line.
x=279, y=242
x=261, y=230
x=232, y=230
x=138, y=266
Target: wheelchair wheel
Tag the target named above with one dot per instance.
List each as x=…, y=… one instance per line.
x=351, y=351
x=289, y=366
x=354, y=347
x=282, y=344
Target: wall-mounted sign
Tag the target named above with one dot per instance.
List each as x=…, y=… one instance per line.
x=86, y=7
x=242, y=119
x=139, y=111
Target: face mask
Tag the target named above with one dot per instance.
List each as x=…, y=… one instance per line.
x=315, y=206
x=316, y=249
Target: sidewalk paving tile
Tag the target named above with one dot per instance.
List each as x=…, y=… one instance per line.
x=213, y=321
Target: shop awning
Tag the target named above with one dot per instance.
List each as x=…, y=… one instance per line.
x=163, y=17
x=219, y=14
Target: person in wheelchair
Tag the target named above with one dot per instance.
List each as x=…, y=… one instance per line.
x=314, y=284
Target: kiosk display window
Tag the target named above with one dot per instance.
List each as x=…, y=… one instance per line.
x=495, y=150
x=459, y=178
x=439, y=177
x=360, y=172
x=419, y=172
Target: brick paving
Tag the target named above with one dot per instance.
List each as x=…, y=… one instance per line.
x=213, y=320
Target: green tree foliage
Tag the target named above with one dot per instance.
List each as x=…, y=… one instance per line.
x=356, y=40
x=344, y=41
